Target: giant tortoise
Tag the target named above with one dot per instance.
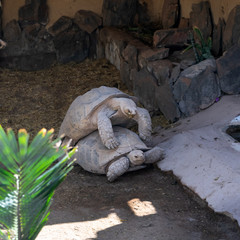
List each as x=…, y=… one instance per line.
x=131, y=154
x=101, y=108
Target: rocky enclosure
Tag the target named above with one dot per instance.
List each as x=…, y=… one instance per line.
x=164, y=79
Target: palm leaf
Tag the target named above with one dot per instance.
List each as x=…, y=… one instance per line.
x=28, y=178
x=199, y=34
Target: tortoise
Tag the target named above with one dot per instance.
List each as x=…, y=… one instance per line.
x=100, y=108
x=131, y=154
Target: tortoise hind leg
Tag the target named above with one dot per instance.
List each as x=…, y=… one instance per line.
x=117, y=168
x=106, y=131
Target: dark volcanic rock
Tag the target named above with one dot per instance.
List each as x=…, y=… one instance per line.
x=171, y=38
x=170, y=13
x=228, y=69
x=119, y=13
x=202, y=18
x=217, y=45
x=156, y=94
x=197, y=87
x=231, y=34
x=87, y=20
x=12, y=31
x=34, y=12
x=61, y=25
x=72, y=45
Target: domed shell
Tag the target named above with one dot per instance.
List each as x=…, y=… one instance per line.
x=94, y=157
x=79, y=113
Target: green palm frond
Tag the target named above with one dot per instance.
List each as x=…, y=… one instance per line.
x=28, y=179
x=201, y=48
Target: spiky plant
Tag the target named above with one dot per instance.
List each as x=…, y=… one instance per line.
x=201, y=48
x=28, y=178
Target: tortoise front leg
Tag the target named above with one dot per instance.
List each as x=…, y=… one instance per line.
x=144, y=123
x=117, y=168
x=106, y=131
x=154, y=155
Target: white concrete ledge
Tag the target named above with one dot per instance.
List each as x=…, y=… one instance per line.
x=205, y=158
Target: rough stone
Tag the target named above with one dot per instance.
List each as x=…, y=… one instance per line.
x=166, y=102
x=162, y=70
x=142, y=15
x=231, y=33
x=61, y=25
x=72, y=45
x=12, y=31
x=202, y=18
x=172, y=38
x=151, y=54
x=155, y=98
x=27, y=49
x=33, y=12
x=175, y=73
x=228, y=69
x=144, y=87
x=170, y=13
x=197, y=87
x=217, y=45
x=119, y=13
x=125, y=74
x=129, y=61
x=130, y=55
x=31, y=31
x=187, y=63
x=113, y=41
x=87, y=20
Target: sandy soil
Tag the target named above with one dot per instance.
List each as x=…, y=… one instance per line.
x=147, y=204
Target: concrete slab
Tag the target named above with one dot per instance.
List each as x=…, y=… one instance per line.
x=204, y=157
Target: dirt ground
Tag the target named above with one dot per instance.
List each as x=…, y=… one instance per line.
x=143, y=205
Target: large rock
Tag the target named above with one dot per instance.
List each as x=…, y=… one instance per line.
x=113, y=41
x=129, y=61
x=35, y=11
x=118, y=13
x=87, y=20
x=170, y=13
x=197, y=87
x=156, y=93
x=217, y=45
x=202, y=18
x=231, y=33
x=142, y=15
x=165, y=74
x=61, y=25
x=12, y=31
x=172, y=38
x=149, y=55
x=144, y=87
x=228, y=69
x=72, y=45
x=185, y=59
x=28, y=49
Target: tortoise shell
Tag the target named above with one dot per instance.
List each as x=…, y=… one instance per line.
x=94, y=157
x=77, y=122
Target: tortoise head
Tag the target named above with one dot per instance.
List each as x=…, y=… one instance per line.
x=128, y=107
x=136, y=157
